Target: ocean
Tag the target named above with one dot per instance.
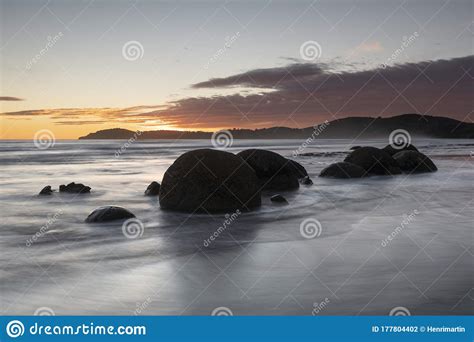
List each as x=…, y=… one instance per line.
x=341, y=247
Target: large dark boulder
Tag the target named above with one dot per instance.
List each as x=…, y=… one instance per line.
x=209, y=181
x=374, y=161
x=153, y=189
x=343, y=170
x=274, y=171
x=109, y=213
x=75, y=188
x=414, y=162
x=394, y=150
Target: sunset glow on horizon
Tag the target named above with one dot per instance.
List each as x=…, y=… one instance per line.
x=74, y=69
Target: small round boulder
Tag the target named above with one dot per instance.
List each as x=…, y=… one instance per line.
x=209, y=181
x=153, y=189
x=273, y=170
x=414, y=162
x=343, y=170
x=109, y=213
x=374, y=161
x=278, y=199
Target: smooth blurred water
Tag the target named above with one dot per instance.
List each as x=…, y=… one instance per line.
x=261, y=263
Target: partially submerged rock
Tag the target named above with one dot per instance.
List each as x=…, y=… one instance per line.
x=374, y=161
x=74, y=188
x=209, y=181
x=278, y=199
x=414, y=162
x=392, y=150
x=153, y=189
x=306, y=181
x=46, y=190
x=109, y=213
x=343, y=170
x=297, y=169
x=274, y=171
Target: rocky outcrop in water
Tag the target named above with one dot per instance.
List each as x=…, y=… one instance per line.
x=46, y=190
x=75, y=188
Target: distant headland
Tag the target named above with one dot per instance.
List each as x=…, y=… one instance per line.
x=347, y=128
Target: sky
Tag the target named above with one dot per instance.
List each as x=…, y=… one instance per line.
x=75, y=67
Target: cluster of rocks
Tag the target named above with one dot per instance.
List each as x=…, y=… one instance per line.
x=366, y=161
x=207, y=180
x=72, y=188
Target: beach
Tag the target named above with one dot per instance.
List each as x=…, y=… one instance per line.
x=383, y=242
